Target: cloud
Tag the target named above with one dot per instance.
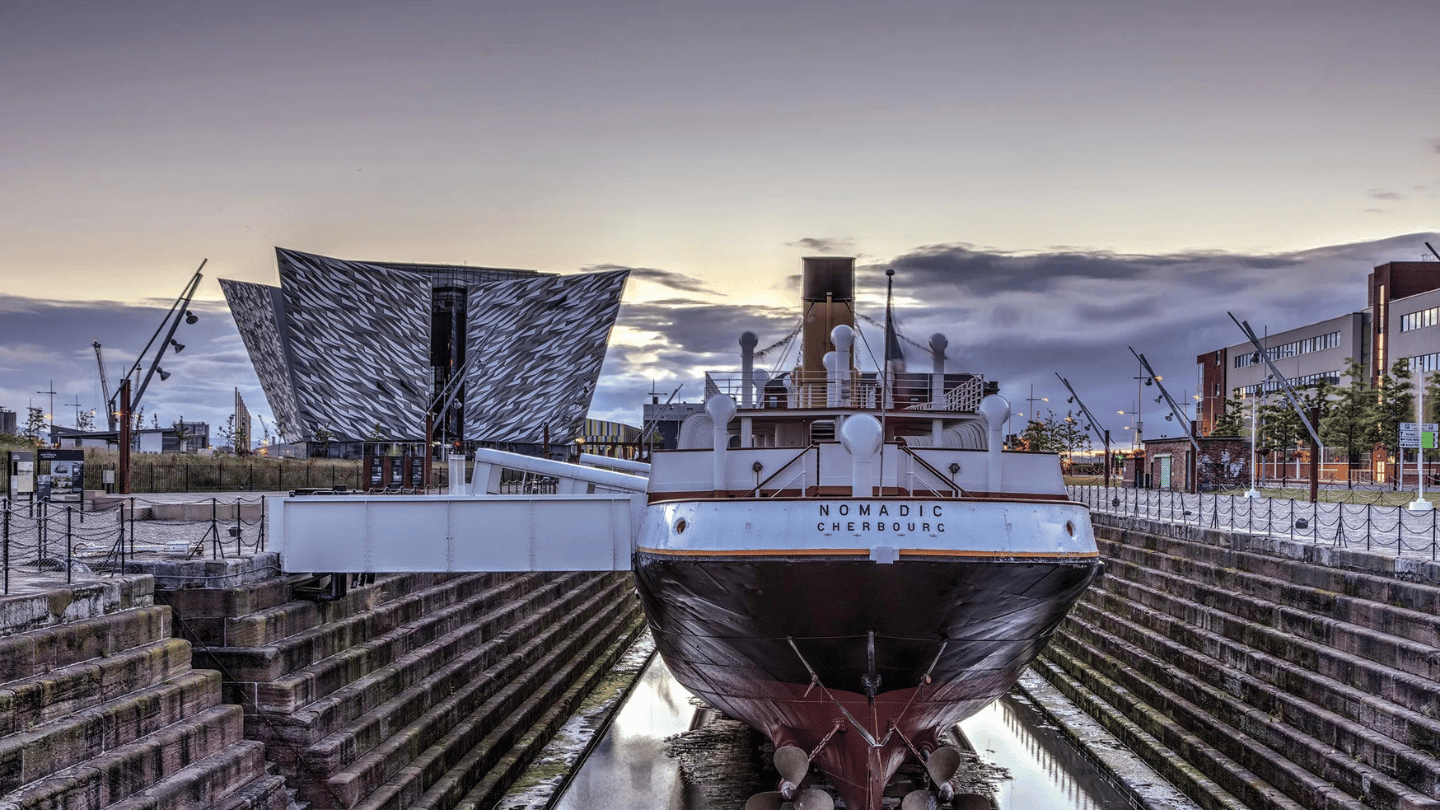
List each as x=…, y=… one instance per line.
x=1383, y=194
x=1435, y=145
x=664, y=278
x=826, y=245
x=1019, y=318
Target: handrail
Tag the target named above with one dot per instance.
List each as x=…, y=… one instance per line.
x=960, y=492
x=773, y=475
x=798, y=474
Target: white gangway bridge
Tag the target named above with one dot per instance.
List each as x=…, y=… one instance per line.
x=589, y=523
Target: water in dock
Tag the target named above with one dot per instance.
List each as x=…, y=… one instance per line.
x=638, y=762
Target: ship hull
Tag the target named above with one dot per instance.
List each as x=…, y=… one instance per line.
x=880, y=657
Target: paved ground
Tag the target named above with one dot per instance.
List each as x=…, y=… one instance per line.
x=37, y=542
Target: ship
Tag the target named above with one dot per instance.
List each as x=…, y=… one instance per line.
x=850, y=561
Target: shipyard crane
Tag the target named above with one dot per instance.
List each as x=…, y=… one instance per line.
x=104, y=385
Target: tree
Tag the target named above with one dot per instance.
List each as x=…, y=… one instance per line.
x=1054, y=434
x=85, y=420
x=1351, y=417
x=35, y=425
x=323, y=437
x=183, y=434
x=1395, y=404
x=1231, y=421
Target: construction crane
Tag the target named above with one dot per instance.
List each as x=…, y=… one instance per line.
x=104, y=385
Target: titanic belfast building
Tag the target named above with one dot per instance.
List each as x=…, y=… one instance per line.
x=353, y=351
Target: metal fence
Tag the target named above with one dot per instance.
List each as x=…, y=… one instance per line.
x=42, y=537
x=1368, y=526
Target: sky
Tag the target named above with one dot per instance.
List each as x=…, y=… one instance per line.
x=1052, y=181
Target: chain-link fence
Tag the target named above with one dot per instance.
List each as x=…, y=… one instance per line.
x=1369, y=526
x=38, y=537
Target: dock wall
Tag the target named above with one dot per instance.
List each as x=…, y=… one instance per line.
x=1256, y=672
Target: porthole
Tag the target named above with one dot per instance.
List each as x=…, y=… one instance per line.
x=1070, y=528
x=680, y=526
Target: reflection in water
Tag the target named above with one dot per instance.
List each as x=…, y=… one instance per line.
x=629, y=768
x=1046, y=770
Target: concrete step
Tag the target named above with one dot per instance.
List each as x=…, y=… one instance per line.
x=1258, y=607
x=326, y=695
x=488, y=750
x=1189, y=779
x=40, y=650
x=40, y=698
x=292, y=691
x=1322, y=580
x=1253, y=738
x=1365, y=694
x=494, y=782
x=35, y=753
x=234, y=778
x=491, y=696
x=118, y=774
x=1351, y=600
x=256, y=662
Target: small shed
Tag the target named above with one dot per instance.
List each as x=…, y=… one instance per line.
x=1222, y=463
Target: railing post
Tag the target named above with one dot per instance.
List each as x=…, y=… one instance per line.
x=69, y=543
x=214, y=526
x=239, y=547
x=7, y=547
x=1369, y=508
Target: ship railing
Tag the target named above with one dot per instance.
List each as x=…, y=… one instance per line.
x=911, y=476
x=800, y=474
x=965, y=396
x=861, y=389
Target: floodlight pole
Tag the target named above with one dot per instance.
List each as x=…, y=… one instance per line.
x=181, y=304
x=1092, y=423
x=124, y=395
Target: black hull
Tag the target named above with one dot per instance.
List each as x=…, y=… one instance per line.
x=949, y=636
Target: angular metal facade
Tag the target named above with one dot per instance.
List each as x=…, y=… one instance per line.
x=346, y=347
x=540, y=343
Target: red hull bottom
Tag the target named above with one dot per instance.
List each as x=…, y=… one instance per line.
x=795, y=648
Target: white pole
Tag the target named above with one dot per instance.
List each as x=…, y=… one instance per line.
x=1254, y=434
x=1419, y=504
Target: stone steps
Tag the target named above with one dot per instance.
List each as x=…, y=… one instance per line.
x=37, y=651
x=1305, y=669
x=1405, y=610
x=104, y=711
x=128, y=769
x=395, y=649
x=368, y=707
x=491, y=788
x=1342, y=633
x=41, y=750
x=487, y=685
x=1266, y=743
x=208, y=784
x=82, y=685
x=1204, y=772
x=484, y=753
x=1279, y=680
